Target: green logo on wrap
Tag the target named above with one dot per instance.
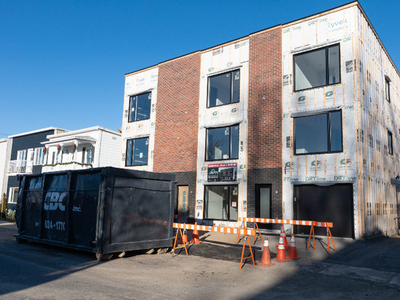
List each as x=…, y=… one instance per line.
x=345, y=161
x=289, y=165
x=211, y=69
x=329, y=94
x=302, y=98
x=215, y=113
x=233, y=110
x=316, y=163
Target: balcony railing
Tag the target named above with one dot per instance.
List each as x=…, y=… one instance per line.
x=64, y=166
x=19, y=166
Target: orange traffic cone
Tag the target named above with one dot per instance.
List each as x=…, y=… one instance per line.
x=266, y=256
x=184, y=237
x=292, y=249
x=281, y=256
x=195, y=237
x=283, y=236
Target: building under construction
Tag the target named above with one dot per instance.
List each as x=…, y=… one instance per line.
x=296, y=121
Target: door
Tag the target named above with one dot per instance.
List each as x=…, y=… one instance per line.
x=263, y=203
x=183, y=192
x=332, y=203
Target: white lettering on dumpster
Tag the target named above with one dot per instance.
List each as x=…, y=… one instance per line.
x=53, y=201
x=48, y=224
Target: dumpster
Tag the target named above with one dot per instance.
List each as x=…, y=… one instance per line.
x=102, y=210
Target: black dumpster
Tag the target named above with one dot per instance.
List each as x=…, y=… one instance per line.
x=101, y=210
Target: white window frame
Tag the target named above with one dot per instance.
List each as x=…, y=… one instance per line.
x=11, y=195
x=22, y=156
x=39, y=157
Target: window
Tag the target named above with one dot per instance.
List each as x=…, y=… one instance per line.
x=320, y=133
x=221, y=202
x=137, y=152
x=139, y=107
x=83, y=154
x=13, y=195
x=224, y=89
x=59, y=156
x=223, y=143
x=387, y=88
x=390, y=143
x=39, y=156
x=317, y=68
x=89, y=156
x=21, y=157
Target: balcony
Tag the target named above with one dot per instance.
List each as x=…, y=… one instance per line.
x=19, y=166
x=65, y=166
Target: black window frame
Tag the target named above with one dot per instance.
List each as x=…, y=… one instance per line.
x=132, y=164
x=232, y=100
x=230, y=194
x=390, y=142
x=230, y=143
x=135, y=117
x=329, y=137
x=326, y=66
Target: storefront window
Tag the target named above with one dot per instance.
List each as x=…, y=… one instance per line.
x=221, y=202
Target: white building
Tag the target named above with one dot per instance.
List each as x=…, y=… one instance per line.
x=5, y=151
x=341, y=122
x=82, y=149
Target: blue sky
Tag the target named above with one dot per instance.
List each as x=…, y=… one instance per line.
x=62, y=63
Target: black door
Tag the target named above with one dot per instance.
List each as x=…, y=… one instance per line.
x=332, y=203
x=263, y=203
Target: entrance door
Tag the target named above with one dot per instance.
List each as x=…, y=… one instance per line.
x=263, y=203
x=325, y=204
x=183, y=192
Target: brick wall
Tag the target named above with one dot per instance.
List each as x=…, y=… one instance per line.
x=265, y=100
x=176, y=132
x=265, y=118
x=271, y=176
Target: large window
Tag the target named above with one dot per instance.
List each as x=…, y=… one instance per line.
x=139, y=107
x=221, y=202
x=223, y=143
x=137, y=152
x=317, y=68
x=224, y=88
x=320, y=133
x=390, y=143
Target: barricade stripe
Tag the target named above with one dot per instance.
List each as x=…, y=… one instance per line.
x=291, y=222
x=214, y=229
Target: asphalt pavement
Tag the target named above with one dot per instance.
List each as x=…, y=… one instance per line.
x=375, y=260
x=358, y=269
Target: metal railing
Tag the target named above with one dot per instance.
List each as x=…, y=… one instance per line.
x=19, y=166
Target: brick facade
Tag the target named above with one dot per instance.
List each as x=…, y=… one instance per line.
x=265, y=118
x=177, y=115
x=265, y=100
